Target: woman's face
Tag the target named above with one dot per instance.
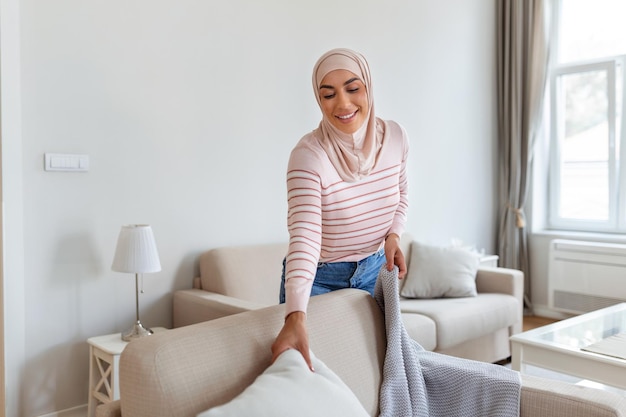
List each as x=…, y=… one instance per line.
x=343, y=99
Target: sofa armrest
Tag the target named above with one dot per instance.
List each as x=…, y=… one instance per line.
x=550, y=398
x=195, y=306
x=112, y=409
x=499, y=280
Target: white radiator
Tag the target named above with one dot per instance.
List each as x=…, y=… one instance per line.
x=585, y=276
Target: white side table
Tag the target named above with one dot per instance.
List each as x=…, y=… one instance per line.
x=489, y=260
x=104, y=358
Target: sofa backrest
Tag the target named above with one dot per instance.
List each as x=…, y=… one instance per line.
x=250, y=273
x=184, y=371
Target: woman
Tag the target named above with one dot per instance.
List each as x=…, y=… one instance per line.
x=347, y=196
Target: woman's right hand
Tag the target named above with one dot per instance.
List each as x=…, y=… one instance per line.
x=293, y=336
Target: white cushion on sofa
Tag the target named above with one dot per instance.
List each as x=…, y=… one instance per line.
x=288, y=387
x=440, y=272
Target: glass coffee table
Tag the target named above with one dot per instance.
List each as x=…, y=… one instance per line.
x=559, y=347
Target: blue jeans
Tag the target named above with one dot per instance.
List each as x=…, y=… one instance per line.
x=333, y=276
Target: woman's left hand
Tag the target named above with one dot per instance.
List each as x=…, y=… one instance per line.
x=394, y=254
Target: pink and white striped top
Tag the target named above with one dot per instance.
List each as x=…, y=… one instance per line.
x=331, y=220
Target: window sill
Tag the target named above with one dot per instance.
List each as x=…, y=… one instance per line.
x=568, y=234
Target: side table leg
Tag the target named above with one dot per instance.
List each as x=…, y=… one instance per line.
x=516, y=357
x=102, y=385
x=115, y=386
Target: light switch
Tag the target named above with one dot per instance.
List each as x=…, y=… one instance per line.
x=66, y=162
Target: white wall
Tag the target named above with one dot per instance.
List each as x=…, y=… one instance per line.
x=13, y=295
x=188, y=111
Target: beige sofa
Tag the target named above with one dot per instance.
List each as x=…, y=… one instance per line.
x=242, y=278
x=184, y=371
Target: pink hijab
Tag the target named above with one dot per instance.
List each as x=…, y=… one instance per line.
x=353, y=156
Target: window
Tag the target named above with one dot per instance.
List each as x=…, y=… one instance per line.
x=588, y=143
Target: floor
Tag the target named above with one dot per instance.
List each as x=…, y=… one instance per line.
x=532, y=322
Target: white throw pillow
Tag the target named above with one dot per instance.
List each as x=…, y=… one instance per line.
x=289, y=388
x=436, y=272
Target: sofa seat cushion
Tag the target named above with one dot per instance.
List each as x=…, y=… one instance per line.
x=462, y=319
x=421, y=329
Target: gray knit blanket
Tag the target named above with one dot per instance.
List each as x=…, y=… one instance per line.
x=420, y=383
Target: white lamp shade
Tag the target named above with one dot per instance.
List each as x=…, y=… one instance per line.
x=136, y=250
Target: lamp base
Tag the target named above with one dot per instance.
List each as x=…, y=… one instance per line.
x=136, y=332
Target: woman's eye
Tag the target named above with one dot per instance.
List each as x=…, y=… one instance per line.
x=328, y=96
x=353, y=90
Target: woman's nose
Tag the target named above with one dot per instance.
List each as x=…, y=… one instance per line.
x=343, y=99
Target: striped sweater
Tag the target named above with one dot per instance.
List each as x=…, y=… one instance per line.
x=330, y=220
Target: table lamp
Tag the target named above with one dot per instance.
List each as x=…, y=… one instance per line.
x=136, y=252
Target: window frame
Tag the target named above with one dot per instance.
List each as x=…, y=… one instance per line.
x=615, y=221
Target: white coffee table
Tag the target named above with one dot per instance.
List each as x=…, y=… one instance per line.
x=558, y=347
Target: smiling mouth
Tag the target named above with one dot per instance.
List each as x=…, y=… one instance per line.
x=347, y=116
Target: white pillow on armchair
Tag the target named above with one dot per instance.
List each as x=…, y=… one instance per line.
x=437, y=272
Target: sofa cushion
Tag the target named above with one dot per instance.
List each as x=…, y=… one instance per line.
x=440, y=272
x=422, y=329
x=288, y=387
x=462, y=319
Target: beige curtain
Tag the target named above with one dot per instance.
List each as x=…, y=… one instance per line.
x=522, y=66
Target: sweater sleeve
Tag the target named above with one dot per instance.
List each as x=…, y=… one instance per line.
x=400, y=216
x=304, y=222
